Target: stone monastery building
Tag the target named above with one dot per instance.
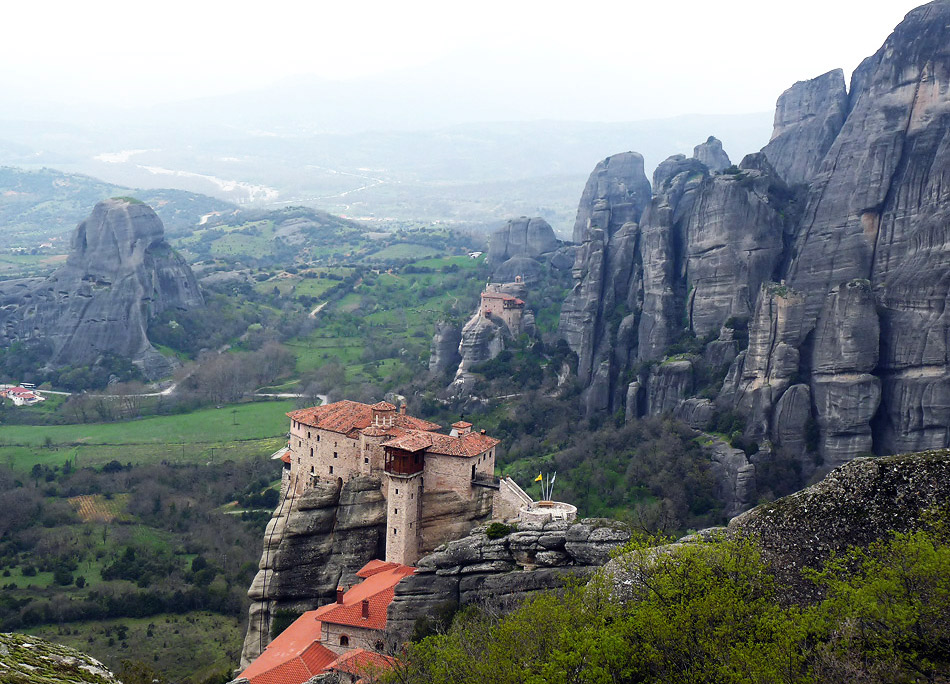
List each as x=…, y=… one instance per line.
x=346, y=439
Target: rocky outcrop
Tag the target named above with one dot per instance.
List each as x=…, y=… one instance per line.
x=735, y=477
x=856, y=504
x=444, y=353
x=845, y=394
x=615, y=194
x=500, y=573
x=483, y=336
x=808, y=117
x=315, y=542
x=867, y=257
x=37, y=661
x=521, y=237
x=712, y=155
x=734, y=242
x=119, y=275
x=762, y=373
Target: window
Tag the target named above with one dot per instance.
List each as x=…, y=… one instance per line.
x=410, y=526
x=397, y=490
x=312, y=471
x=344, y=640
x=366, y=459
x=395, y=511
x=395, y=531
x=298, y=442
x=311, y=452
x=334, y=454
x=318, y=438
x=331, y=470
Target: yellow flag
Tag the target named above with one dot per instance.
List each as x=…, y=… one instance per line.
x=538, y=478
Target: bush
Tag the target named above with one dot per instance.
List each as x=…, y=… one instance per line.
x=497, y=530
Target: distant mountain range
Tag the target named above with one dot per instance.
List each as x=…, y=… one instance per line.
x=290, y=146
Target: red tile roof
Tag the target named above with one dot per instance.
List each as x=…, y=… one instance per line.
x=378, y=588
x=467, y=445
x=294, y=656
x=345, y=416
x=412, y=441
x=461, y=424
x=359, y=661
x=383, y=406
x=375, y=566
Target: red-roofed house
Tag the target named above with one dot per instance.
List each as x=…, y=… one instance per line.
x=334, y=637
x=346, y=439
x=294, y=656
x=358, y=616
x=21, y=396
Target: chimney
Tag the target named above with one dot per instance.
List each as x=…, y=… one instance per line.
x=402, y=409
x=339, y=594
x=483, y=432
x=366, y=609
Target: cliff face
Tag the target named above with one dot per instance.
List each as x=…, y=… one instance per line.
x=500, y=573
x=317, y=540
x=840, y=280
x=808, y=117
x=120, y=273
x=314, y=543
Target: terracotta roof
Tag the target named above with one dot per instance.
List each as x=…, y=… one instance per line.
x=346, y=416
x=499, y=295
x=294, y=656
x=383, y=406
x=378, y=588
x=466, y=446
x=359, y=661
x=412, y=441
x=375, y=566
x=461, y=424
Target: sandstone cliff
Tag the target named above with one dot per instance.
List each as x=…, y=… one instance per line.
x=119, y=274
x=840, y=280
x=316, y=541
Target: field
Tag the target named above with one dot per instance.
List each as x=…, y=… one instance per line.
x=232, y=432
x=97, y=508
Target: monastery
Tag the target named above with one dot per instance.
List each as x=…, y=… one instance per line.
x=346, y=439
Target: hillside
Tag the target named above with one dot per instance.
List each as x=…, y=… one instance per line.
x=42, y=206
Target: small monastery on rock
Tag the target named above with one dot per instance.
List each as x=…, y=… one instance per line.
x=345, y=439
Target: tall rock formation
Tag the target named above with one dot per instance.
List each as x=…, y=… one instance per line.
x=120, y=273
x=522, y=247
x=711, y=154
x=868, y=257
x=841, y=279
x=701, y=249
x=314, y=543
x=808, y=117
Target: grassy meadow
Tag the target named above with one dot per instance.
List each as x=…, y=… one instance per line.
x=233, y=432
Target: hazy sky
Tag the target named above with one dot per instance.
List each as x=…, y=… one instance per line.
x=613, y=60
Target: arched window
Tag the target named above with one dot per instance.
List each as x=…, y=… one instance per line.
x=311, y=452
x=344, y=640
